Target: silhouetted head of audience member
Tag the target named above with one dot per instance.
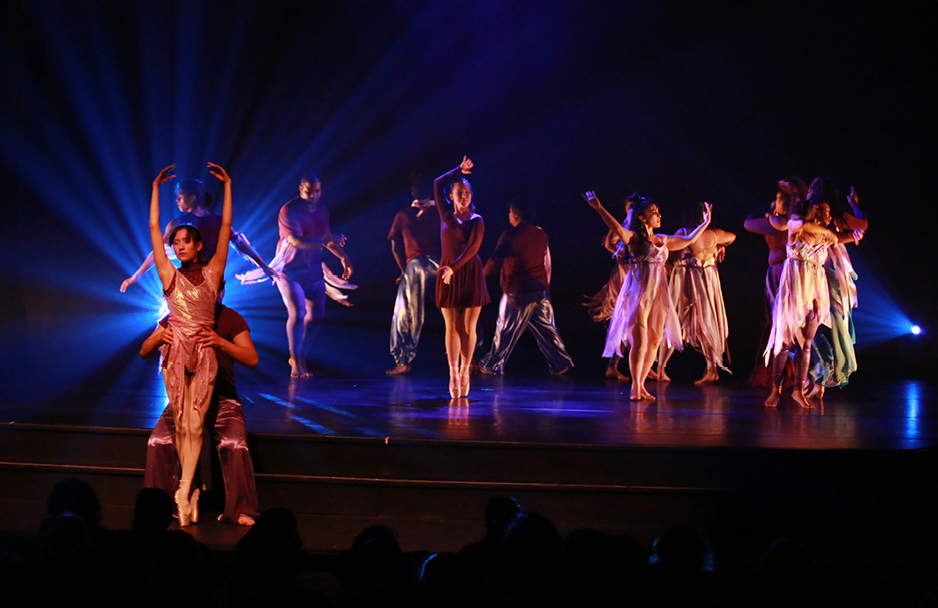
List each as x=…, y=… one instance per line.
x=680, y=549
x=153, y=511
x=374, y=560
x=530, y=534
x=499, y=511
x=74, y=496
x=589, y=555
x=444, y=569
x=274, y=533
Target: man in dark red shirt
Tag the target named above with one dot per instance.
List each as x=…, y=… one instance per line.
x=231, y=339
x=303, y=224
x=523, y=255
x=415, y=243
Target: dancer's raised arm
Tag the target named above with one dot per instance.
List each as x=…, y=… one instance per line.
x=624, y=234
x=680, y=241
x=856, y=221
x=164, y=267
x=439, y=197
x=218, y=261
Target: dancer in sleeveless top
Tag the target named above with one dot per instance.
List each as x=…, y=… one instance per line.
x=803, y=300
x=460, y=281
x=833, y=358
x=189, y=365
x=603, y=303
x=194, y=203
x=773, y=225
x=698, y=297
x=644, y=313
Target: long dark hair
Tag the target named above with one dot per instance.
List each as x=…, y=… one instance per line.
x=824, y=190
x=196, y=188
x=640, y=205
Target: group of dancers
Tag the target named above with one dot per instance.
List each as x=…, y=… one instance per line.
x=665, y=290
x=664, y=293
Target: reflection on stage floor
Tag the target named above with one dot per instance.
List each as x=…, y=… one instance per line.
x=896, y=415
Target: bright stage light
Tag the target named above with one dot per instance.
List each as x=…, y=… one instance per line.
x=915, y=330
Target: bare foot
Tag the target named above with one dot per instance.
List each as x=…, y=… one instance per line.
x=801, y=400
x=816, y=392
x=298, y=369
x=652, y=375
x=774, y=396
x=614, y=374
x=710, y=376
x=560, y=372
x=638, y=393
x=245, y=520
x=662, y=376
x=400, y=369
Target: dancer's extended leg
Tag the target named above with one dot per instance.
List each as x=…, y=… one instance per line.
x=296, y=303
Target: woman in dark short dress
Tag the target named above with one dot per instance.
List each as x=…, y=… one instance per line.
x=460, y=283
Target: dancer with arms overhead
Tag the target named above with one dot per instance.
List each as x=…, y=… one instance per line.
x=189, y=364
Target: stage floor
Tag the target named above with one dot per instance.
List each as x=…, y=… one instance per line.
x=894, y=415
x=344, y=453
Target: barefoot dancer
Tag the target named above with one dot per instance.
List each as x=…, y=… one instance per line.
x=773, y=225
x=304, y=231
x=644, y=312
x=415, y=243
x=833, y=358
x=523, y=256
x=460, y=283
x=698, y=297
x=603, y=303
x=189, y=365
x=803, y=300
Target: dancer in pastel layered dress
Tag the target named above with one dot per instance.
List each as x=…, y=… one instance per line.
x=803, y=301
x=603, y=302
x=833, y=357
x=698, y=297
x=773, y=225
x=189, y=364
x=460, y=282
x=644, y=313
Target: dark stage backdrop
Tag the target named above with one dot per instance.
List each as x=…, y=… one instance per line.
x=683, y=101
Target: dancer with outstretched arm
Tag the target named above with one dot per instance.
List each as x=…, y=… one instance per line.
x=644, y=313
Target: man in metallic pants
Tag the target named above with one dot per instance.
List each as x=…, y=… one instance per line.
x=523, y=255
x=415, y=243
